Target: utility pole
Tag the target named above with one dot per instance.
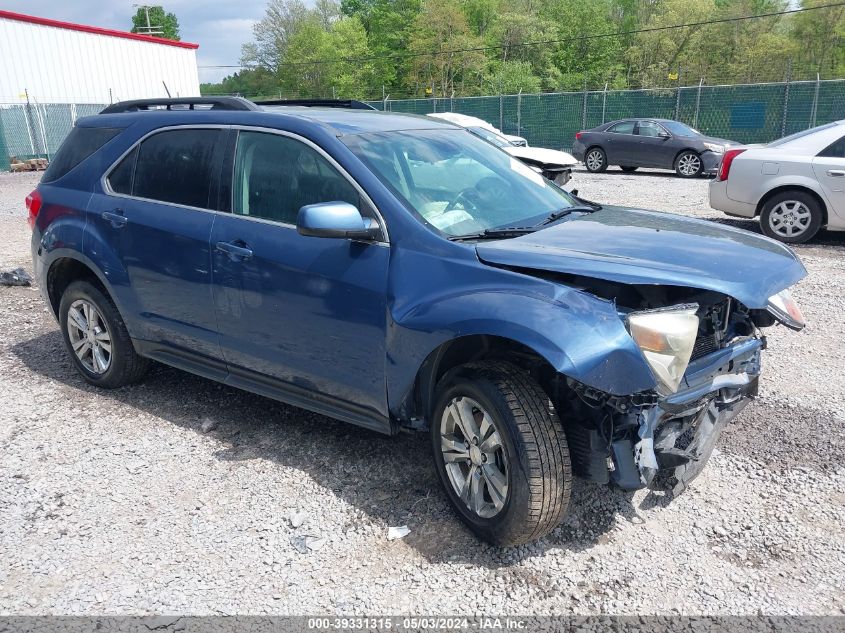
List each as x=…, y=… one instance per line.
x=149, y=29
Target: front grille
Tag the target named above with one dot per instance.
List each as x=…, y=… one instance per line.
x=704, y=344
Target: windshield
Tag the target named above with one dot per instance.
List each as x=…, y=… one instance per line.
x=490, y=136
x=456, y=182
x=679, y=129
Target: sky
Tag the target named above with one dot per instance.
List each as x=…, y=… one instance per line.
x=220, y=27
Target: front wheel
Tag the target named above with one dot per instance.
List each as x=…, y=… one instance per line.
x=688, y=165
x=500, y=453
x=793, y=217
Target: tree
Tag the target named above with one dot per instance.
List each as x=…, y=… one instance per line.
x=281, y=21
x=154, y=20
x=513, y=77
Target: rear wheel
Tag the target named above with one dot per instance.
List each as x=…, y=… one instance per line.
x=627, y=168
x=688, y=164
x=793, y=217
x=500, y=452
x=595, y=159
x=96, y=338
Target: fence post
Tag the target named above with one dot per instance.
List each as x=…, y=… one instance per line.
x=501, y=111
x=584, y=110
x=697, y=103
x=604, y=103
x=519, y=113
x=678, y=97
x=4, y=151
x=816, y=101
x=786, y=97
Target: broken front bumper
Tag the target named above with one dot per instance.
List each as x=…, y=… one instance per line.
x=670, y=440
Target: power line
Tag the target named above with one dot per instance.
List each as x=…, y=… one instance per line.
x=578, y=38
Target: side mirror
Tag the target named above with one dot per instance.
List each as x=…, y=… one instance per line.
x=336, y=219
x=664, y=135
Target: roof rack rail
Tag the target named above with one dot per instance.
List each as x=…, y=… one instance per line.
x=352, y=104
x=188, y=103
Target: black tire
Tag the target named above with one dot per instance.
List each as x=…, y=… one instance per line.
x=680, y=168
x=777, y=227
x=596, y=157
x=538, y=473
x=125, y=365
x=628, y=169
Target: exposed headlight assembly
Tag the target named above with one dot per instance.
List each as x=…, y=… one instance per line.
x=715, y=148
x=785, y=310
x=666, y=338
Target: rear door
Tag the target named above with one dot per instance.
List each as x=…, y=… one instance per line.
x=619, y=143
x=653, y=150
x=829, y=168
x=155, y=216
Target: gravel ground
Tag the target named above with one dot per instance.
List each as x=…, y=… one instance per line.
x=177, y=495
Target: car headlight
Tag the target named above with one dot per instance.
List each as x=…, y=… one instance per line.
x=666, y=338
x=715, y=148
x=785, y=310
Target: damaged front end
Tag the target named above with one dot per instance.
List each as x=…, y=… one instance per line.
x=664, y=437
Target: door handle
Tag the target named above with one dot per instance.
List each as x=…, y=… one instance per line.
x=836, y=172
x=115, y=218
x=237, y=251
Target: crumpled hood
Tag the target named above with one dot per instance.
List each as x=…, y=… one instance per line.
x=541, y=155
x=646, y=247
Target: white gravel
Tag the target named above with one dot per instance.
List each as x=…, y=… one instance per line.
x=180, y=495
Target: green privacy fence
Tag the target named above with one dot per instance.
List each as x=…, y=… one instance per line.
x=749, y=113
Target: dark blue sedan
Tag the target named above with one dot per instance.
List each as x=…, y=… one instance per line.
x=398, y=272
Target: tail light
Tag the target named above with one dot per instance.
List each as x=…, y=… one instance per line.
x=727, y=159
x=33, y=205
x=578, y=136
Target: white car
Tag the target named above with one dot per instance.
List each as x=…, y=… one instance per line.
x=552, y=164
x=795, y=184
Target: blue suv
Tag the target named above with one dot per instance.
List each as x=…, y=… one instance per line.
x=399, y=272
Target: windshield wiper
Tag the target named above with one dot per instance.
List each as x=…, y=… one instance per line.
x=515, y=231
x=562, y=213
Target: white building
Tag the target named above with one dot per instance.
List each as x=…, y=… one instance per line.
x=59, y=62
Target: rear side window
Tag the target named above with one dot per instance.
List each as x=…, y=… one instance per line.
x=79, y=145
x=834, y=150
x=626, y=127
x=173, y=166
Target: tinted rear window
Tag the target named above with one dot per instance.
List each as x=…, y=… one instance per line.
x=175, y=166
x=79, y=145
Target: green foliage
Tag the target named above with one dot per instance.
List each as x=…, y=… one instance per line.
x=159, y=21
x=444, y=48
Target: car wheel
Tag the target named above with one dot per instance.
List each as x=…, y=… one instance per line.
x=96, y=338
x=793, y=217
x=688, y=164
x=500, y=453
x=627, y=169
x=595, y=159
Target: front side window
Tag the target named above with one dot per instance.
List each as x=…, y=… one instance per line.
x=649, y=128
x=277, y=175
x=626, y=127
x=174, y=166
x=456, y=182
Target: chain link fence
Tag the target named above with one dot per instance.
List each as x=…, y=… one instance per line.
x=36, y=130
x=747, y=113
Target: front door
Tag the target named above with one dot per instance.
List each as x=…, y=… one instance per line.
x=156, y=219
x=306, y=313
x=654, y=150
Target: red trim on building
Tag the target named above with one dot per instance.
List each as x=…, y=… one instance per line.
x=20, y=17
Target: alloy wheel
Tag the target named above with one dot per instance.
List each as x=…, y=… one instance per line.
x=595, y=160
x=789, y=218
x=89, y=336
x=689, y=165
x=474, y=457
